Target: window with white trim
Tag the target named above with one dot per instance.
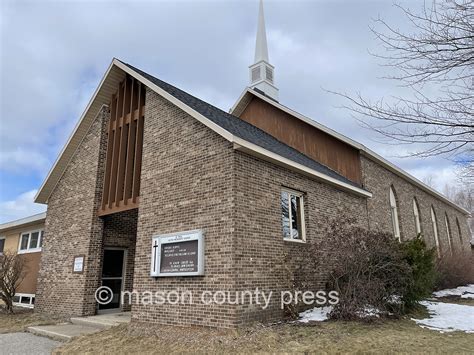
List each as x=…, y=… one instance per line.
x=416, y=212
x=24, y=300
x=394, y=213
x=292, y=213
x=2, y=245
x=435, y=230
x=31, y=242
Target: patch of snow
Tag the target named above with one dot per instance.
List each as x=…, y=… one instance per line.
x=463, y=291
x=448, y=317
x=369, y=312
x=317, y=314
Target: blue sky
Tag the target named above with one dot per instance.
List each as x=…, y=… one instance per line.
x=54, y=53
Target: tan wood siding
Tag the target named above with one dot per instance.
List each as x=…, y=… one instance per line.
x=305, y=138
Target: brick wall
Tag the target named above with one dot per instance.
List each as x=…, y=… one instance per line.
x=186, y=184
x=73, y=228
x=260, y=248
x=378, y=180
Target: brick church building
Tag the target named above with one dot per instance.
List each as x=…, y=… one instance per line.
x=147, y=159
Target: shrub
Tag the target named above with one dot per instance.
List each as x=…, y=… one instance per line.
x=423, y=272
x=454, y=270
x=367, y=268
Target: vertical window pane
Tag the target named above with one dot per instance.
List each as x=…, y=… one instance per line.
x=24, y=242
x=295, y=220
x=41, y=239
x=285, y=214
x=2, y=245
x=34, y=240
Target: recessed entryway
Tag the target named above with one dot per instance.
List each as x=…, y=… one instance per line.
x=113, y=277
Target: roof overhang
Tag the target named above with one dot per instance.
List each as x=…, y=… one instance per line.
x=107, y=86
x=249, y=93
x=23, y=222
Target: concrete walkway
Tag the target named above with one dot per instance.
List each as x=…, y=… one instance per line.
x=26, y=344
x=80, y=326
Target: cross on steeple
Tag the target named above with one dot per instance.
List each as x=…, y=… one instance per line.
x=262, y=72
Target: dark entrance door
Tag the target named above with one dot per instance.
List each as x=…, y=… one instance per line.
x=113, y=277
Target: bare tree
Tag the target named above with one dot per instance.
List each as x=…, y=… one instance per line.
x=463, y=195
x=436, y=64
x=12, y=273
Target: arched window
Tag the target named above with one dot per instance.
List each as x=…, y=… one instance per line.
x=459, y=233
x=448, y=232
x=416, y=212
x=435, y=230
x=394, y=213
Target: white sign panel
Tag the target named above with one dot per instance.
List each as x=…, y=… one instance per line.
x=78, y=264
x=178, y=254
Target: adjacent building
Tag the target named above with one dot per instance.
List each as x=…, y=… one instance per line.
x=149, y=164
x=25, y=237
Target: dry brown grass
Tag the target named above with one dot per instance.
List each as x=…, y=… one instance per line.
x=21, y=319
x=399, y=336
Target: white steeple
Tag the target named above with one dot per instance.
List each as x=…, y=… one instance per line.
x=261, y=72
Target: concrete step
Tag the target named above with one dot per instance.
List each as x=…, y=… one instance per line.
x=62, y=332
x=103, y=321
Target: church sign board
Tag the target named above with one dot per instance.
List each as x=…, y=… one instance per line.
x=178, y=254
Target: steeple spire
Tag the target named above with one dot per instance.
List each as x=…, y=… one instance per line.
x=262, y=72
x=261, y=48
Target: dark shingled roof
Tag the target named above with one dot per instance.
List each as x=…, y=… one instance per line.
x=242, y=129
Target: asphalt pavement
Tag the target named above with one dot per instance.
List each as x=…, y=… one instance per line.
x=25, y=344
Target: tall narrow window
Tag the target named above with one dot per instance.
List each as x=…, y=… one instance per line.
x=435, y=230
x=448, y=232
x=416, y=212
x=292, y=214
x=394, y=213
x=459, y=233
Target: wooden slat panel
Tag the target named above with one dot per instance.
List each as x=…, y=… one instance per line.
x=121, y=163
x=131, y=150
x=110, y=147
x=115, y=156
x=139, y=145
x=124, y=148
x=129, y=206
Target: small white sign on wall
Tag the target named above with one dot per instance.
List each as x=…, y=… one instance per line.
x=78, y=263
x=178, y=254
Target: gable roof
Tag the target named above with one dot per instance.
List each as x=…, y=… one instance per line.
x=244, y=136
x=249, y=93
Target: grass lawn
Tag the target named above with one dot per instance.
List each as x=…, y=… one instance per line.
x=327, y=337
x=21, y=319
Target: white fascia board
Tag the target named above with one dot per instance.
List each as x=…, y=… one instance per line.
x=362, y=148
x=253, y=149
x=91, y=101
x=23, y=221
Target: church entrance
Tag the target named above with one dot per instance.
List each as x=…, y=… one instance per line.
x=113, y=280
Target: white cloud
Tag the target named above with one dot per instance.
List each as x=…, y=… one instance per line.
x=20, y=207
x=24, y=161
